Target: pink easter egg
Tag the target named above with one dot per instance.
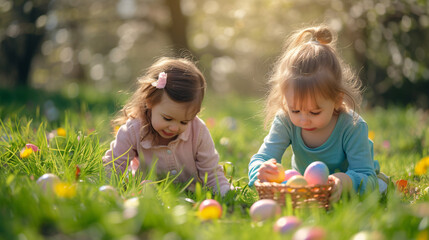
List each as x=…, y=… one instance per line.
x=310, y=233
x=286, y=224
x=32, y=146
x=290, y=173
x=316, y=173
x=264, y=209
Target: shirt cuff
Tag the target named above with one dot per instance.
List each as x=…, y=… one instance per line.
x=225, y=188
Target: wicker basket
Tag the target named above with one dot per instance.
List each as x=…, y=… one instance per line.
x=317, y=195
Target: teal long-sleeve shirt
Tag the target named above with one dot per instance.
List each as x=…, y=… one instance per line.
x=347, y=150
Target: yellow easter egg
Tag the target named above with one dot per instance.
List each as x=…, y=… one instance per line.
x=297, y=181
x=65, y=190
x=280, y=177
x=25, y=152
x=209, y=209
x=61, y=132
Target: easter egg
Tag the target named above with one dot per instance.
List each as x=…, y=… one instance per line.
x=132, y=202
x=264, y=209
x=290, y=173
x=108, y=190
x=280, y=177
x=47, y=181
x=426, y=191
x=316, y=173
x=65, y=190
x=32, y=146
x=25, y=152
x=310, y=233
x=402, y=185
x=131, y=207
x=209, y=209
x=297, y=181
x=367, y=235
x=286, y=224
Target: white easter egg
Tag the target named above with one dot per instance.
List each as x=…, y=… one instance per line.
x=47, y=181
x=108, y=190
x=368, y=235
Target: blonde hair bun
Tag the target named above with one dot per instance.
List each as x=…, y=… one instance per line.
x=320, y=34
x=323, y=35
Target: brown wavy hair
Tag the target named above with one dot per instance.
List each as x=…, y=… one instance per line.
x=185, y=84
x=311, y=65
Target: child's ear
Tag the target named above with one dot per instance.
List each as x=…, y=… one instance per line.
x=339, y=100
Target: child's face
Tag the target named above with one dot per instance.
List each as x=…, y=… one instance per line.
x=170, y=118
x=310, y=116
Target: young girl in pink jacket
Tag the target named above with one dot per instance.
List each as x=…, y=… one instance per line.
x=159, y=125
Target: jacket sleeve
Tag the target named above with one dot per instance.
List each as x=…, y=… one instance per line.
x=360, y=158
x=207, y=161
x=274, y=146
x=122, y=149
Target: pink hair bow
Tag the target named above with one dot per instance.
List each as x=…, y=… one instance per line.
x=162, y=80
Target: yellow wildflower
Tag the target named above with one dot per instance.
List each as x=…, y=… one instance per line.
x=61, y=132
x=210, y=122
x=371, y=135
x=422, y=166
x=423, y=235
x=65, y=190
x=115, y=130
x=25, y=152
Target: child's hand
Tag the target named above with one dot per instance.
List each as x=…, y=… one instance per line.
x=342, y=183
x=337, y=189
x=267, y=169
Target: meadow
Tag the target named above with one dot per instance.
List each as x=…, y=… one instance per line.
x=73, y=134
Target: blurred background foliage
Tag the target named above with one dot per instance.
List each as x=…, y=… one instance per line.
x=71, y=45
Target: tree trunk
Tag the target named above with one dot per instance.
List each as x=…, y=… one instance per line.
x=178, y=27
x=20, y=43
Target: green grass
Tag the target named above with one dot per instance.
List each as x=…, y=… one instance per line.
x=167, y=210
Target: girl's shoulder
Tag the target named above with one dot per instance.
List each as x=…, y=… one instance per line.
x=133, y=123
x=198, y=121
x=350, y=122
x=132, y=127
x=283, y=117
x=197, y=124
x=351, y=117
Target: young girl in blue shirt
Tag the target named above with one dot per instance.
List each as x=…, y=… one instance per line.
x=314, y=100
